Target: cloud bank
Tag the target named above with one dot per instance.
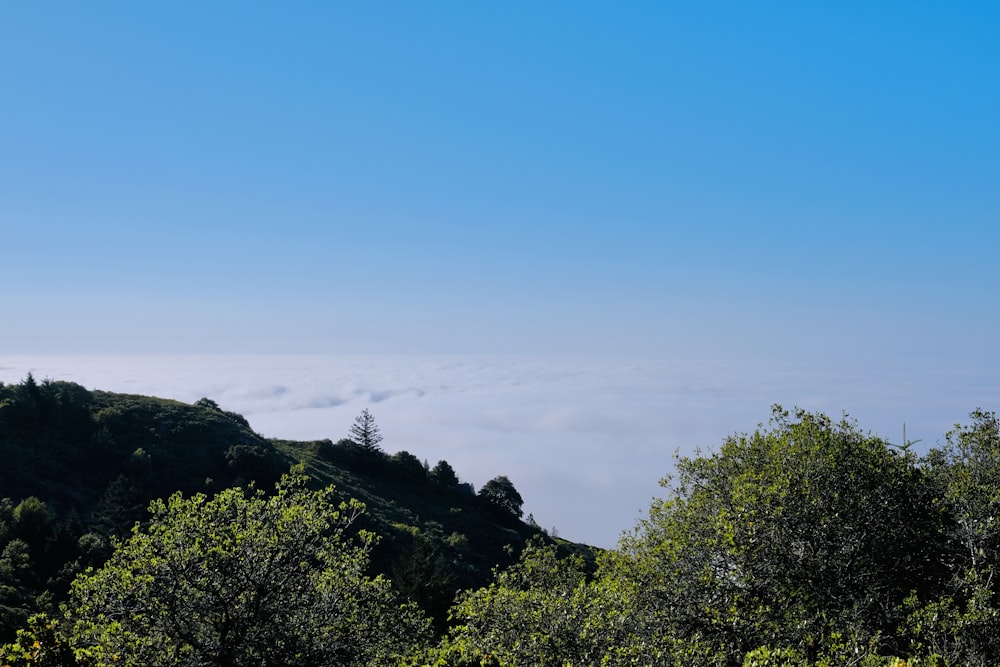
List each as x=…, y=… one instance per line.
x=585, y=442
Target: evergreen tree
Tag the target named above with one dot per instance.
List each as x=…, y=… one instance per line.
x=365, y=432
x=444, y=475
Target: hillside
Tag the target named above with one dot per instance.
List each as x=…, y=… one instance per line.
x=80, y=467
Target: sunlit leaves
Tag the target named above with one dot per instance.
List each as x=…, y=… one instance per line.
x=244, y=579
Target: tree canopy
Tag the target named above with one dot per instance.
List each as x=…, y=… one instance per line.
x=244, y=579
x=442, y=473
x=805, y=543
x=499, y=492
x=808, y=535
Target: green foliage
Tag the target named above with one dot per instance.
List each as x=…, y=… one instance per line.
x=774, y=657
x=444, y=475
x=784, y=657
x=43, y=644
x=436, y=540
x=807, y=536
x=533, y=613
x=960, y=628
x=66, y=445
x=960, y=624
x=16, y=583
x=546, y=610
x=406, y=467
x=34, y=522
x=805, y=543
x=241, y=579
x=431, y=568
x=119, y=508
x=967, y=470
x=259, y=463
x=500, y=493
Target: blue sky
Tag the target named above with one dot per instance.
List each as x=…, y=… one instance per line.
x=671, y=178
x=804, y=183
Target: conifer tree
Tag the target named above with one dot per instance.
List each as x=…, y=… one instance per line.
x=365, y=432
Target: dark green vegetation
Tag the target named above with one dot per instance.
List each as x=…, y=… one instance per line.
x=806, y=542
x=81, y=468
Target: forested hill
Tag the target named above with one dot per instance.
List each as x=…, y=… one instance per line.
x=81, y=467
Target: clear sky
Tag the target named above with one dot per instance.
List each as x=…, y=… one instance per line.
x=676, y=179
x=805, y=183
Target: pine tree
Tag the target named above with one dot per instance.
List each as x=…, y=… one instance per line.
x=365, y=432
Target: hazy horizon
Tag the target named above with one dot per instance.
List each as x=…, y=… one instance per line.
x=584, y=442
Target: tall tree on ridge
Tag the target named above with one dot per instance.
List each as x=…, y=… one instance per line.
x=365, y=432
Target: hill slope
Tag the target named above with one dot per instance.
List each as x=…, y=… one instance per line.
x=81, y=466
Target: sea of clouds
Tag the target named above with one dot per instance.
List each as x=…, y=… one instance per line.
x=584, y=441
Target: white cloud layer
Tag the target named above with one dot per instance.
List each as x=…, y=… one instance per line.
x=585, y=442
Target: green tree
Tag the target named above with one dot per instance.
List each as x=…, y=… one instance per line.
x=16, y=585
x=426, y=570
x=967, y=469
x=244, y=579
x=407, y=467
x=499, y=492
x=365, y=432
x=534, y=613
x=35, y=523
x=444, y=475
x=545, y=610
x=118, y=508
x=961, y=624
x=807, y=536
x=208, y=404
x=43, y=644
